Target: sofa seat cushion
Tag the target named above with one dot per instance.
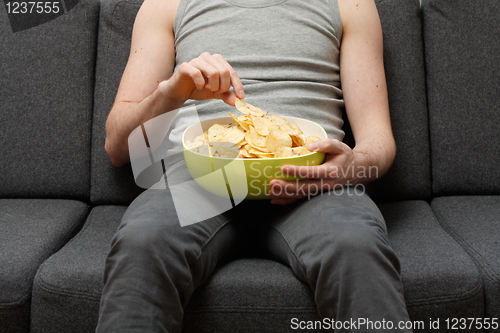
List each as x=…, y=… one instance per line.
x=250, y=295
x=474, y=222
x=246, y=292
x=67, y=288
x=439, y=278
x=32, y=230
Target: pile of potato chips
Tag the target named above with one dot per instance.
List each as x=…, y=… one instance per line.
x=252, y=135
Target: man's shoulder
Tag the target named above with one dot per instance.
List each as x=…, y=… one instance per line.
x=159, y=11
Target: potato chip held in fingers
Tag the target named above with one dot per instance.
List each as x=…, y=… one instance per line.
x=247, y=108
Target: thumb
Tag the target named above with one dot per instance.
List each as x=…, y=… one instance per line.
x=329, y=146
x=229, y=97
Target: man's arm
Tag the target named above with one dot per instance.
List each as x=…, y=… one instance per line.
x=365, y=94
x=151, y=61
x=364, y=86
x=149, y=87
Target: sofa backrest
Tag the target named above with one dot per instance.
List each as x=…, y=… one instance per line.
x=462, y=52
x=410, y=175
x=403, y=51
x=111, y=184
x=46, y=94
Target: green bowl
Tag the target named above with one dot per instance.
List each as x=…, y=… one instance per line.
x=244, y=178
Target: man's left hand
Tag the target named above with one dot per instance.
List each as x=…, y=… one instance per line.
x=337, y=171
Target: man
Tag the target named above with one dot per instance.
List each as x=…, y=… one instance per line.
x=287, y=57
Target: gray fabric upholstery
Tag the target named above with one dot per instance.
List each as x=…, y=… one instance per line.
x=474, y=222
x=463, y=64
x=46, y=84
x=31, y=230
x=409, y=177
x=69, y=283
x=108, y=183
x=250, y=295
x=439, y=278
x=68, y=286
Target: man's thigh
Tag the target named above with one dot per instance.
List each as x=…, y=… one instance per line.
x=315, y=232
x=150, y=231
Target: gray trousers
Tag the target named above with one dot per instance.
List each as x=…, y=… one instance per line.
x=335, y=243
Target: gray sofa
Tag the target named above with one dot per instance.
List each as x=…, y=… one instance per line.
x=61, y=199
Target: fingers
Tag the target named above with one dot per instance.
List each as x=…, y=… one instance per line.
x=337, y=161
x=300, y=189
x=213, y=75
x=332, y=174
x=234, y=79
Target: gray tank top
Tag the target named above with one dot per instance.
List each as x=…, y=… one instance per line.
x=286, y=53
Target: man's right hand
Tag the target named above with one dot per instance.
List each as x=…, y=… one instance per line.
x=149, y=87
x=208, y=76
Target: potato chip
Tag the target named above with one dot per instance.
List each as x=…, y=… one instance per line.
x=311, y=139
x=295, y=128
x=257, y=150
x=284, y=152
x=241, y=120
x=225, y=149
x=234, y=134
x=244, y=152
x=265, y=155
x=278, y=139
x=216, y=130
x=262, y=125
x=298, y=139
x=254, y=138
x=248, y=109
x=290, y=128
x=205, y=150
x=278, y=121
x=299, y=151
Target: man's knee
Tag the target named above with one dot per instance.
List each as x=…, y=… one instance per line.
x=359, y=241
x=144, y=239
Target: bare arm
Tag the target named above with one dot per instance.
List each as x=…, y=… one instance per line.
x=364, y=86
x=365, y=95
x=149, y=87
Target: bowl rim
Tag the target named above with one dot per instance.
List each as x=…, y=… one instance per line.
x=251, y=158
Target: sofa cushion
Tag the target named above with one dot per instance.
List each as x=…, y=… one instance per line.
x=462, y=52
x=409, y=177
x=439, y=278
x=109, y=184
x=474, y=222
x=250, y=295
x=46, y=99
x=67, y=288
x=32, y=229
